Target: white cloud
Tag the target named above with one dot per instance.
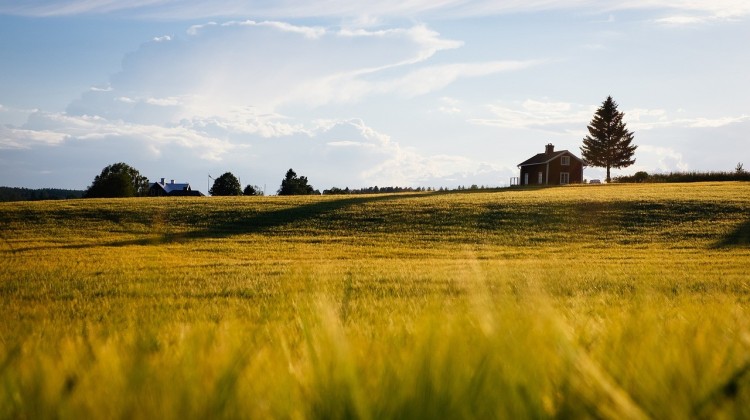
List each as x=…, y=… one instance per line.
x=311, y=32
x=660, y=159
x=226, y=66
x=346, y=143
x=14, y=138
x=58, y=128
x=195, y=29
x=171, y=101
x=126, y=100
x=715, y=122
x=563, y=117
x=434, y=78
x=649, y=119
x=164, y=38
x=364, y=12
x=538, y=114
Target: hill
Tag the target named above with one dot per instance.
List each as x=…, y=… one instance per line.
x=580, y=301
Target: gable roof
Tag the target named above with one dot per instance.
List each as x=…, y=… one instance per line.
x=170, y=187
x=542, y=158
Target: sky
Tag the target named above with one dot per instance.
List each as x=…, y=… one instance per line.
x=353, y=93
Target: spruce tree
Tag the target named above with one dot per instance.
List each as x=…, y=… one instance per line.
x=608, y=144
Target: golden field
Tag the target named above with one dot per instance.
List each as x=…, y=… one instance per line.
x=611, y=301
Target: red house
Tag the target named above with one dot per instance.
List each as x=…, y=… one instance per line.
x=552, y=168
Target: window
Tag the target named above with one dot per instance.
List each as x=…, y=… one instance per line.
x=564, y=178
x=541, y=178
x=565, y=160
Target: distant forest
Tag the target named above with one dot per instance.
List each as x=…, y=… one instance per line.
x=26, y=194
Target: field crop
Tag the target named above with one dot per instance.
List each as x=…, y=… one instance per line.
x=612, y=301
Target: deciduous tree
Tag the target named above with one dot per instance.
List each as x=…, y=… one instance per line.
x=118, y=180
x=226, y=184
x=252, y=190
x=293, y=185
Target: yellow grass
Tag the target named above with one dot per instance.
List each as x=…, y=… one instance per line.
x=617, y=301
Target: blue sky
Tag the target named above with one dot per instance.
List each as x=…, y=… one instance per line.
x=356, y=93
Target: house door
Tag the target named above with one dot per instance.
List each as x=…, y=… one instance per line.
x=526, y=178
x=564, y=178
x=541, y=178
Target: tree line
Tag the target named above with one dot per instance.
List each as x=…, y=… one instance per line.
x=739, y=174
x=31, y=194
x=122, y=180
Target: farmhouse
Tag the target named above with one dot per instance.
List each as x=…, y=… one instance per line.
x=160, y=189
x=552, y=168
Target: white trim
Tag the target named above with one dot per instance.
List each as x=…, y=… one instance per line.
x=565, y=175
x=557, y=155
x=565, y=160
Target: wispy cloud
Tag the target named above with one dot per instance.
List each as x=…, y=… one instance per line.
x=224, y=66
x=538, y=114
x=564, y=117
x=365, y=12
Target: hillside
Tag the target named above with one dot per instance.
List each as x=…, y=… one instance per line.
x=585, y=301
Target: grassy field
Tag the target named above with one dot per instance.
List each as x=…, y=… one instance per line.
x=616, y=301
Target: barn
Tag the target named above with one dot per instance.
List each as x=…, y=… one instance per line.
x=551, y=168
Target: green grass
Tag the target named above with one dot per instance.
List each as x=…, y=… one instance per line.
x=616, y=301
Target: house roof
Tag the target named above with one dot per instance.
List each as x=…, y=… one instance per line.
x=169, y=187
x=542, y=158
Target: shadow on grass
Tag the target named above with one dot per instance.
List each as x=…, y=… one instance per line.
x=740, y=237
x=226, y=224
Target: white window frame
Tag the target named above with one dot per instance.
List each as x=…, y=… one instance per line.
x=565, y=161
x=564, y=178
x=541, y=177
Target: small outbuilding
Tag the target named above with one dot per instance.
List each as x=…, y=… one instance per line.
x=161, y=189
x=552, y=168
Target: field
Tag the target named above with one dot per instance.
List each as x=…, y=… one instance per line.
x=612, y=301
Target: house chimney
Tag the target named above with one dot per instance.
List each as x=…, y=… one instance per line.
x=171, y=182
x=549, y=149
x=162, y=181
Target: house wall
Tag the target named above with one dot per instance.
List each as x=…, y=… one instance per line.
x=574, y=170
x=533, y=171
x=156, y=191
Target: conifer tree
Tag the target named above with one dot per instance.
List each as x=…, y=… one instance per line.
x=608, y=144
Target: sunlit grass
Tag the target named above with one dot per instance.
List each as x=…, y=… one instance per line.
x=591, y=301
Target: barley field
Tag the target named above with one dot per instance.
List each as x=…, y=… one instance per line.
x=610, y=301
